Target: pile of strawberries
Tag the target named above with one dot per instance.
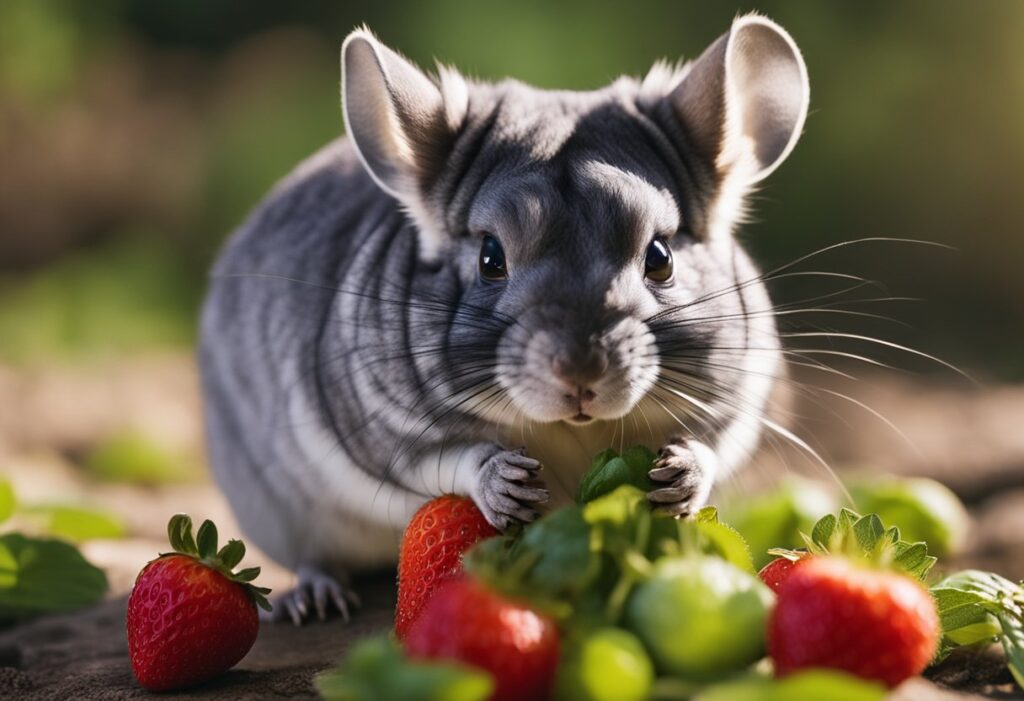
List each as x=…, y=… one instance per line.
x=848, y=611
x=604, y=600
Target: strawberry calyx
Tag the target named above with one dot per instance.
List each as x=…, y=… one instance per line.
x=863, y=538
x=203, y=549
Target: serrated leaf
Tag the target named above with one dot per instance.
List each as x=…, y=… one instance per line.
x=726, y=542
x=964, y=621
x=913, y=558
x=866, y=536
x=823, y=531
x=709, y=514
x=7, y=500
x=968, y=602
x=844, y=524
x=232, y=553
x=41, y=575
x=868, y=530
x=206, y=540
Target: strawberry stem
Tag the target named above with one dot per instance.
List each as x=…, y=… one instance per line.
x=203, y=548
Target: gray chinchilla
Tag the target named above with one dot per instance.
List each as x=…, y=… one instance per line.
x=484, y=278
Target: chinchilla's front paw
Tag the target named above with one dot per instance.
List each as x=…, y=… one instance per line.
x=507, y=488
x=683, y=476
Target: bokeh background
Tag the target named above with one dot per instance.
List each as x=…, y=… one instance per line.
x=135, y=135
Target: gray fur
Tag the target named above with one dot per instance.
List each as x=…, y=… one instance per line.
x=354, y=363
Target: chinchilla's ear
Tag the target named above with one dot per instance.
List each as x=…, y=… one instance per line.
x=401, y=121
x=743, y=102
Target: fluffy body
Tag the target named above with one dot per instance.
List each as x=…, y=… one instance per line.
x=355, y=364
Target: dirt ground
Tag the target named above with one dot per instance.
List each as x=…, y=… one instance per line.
x=968, y=437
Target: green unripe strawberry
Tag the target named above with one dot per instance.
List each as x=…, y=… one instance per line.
x=609, y=664
x=701, y=617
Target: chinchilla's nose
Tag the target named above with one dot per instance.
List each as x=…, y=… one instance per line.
x=580, y=368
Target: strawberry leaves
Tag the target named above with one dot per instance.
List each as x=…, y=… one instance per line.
x=203, y=547
x=610, y=470
x=867, y=538
x=978, y=607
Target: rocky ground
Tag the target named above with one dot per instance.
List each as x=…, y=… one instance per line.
x=970, y=438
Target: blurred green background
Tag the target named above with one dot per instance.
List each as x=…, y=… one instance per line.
x=135, y=135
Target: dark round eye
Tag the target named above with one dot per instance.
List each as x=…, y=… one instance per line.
x=492, y=260
x=658, y=262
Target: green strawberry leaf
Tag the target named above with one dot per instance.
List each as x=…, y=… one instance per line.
x=179, y=533
x=204, y=549
x=550, y=563
x=232, y=553
x=867, y=537
x=206, y=540
x=717, y=538
x=976, y=607
x=377, y=670
x=609, y=470
x=868, y=531
x=41, y=575
x=823, y=531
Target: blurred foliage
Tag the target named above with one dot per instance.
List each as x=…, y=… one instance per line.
x=76, y=523
x=137, y=134
x=135, y=458
x=43, y=575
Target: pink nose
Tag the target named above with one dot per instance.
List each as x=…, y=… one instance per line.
x=581, y=370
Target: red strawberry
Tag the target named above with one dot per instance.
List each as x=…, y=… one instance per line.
x=439, y=533
x=515, y=644
x=876, y=624
x=189, y=616
x=777, y=571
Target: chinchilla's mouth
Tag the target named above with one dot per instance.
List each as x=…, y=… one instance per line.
x=580, y=419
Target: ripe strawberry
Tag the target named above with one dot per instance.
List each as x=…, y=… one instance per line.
x=189, y=616
x=432, y=547
x=831, y=612
x=778, y=571
x=465, y=621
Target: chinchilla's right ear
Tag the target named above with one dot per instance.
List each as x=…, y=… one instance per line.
x=401, y=121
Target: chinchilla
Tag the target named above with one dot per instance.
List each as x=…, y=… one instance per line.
x=484, y=278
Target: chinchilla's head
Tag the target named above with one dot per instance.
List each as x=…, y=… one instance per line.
x=595, y=226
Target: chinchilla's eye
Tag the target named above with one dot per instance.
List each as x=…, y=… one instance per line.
x=658, y=262
x=492, y=260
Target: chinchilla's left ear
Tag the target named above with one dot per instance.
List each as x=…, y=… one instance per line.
x=401, y=121
x=743, y=103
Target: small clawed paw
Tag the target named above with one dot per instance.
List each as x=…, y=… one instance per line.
x=315, y=591
x=508, y=489
x=681, y=485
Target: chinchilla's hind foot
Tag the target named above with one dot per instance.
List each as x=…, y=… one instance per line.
x=316, y=591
